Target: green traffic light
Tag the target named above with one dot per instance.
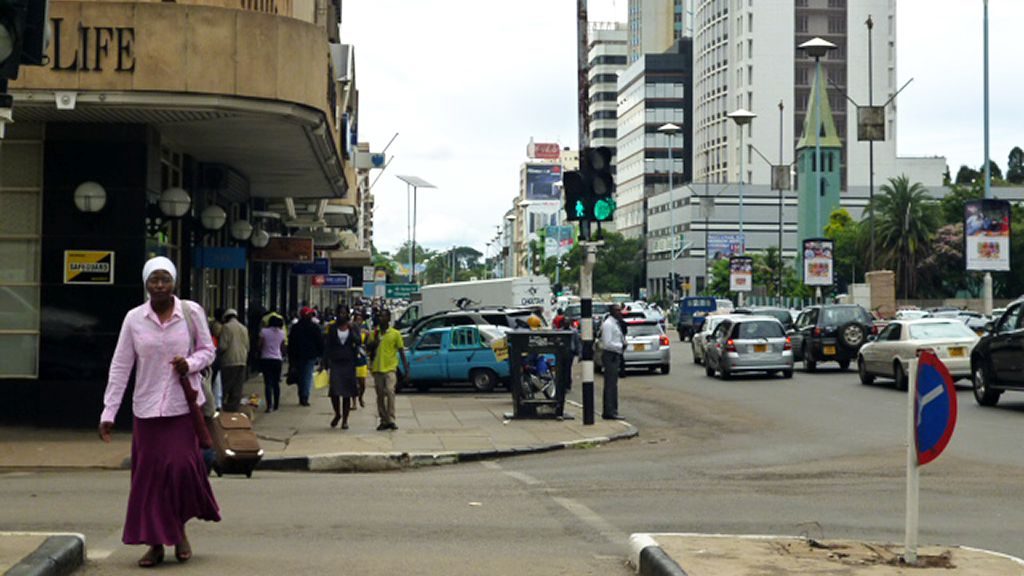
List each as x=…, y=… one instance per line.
x=580, y=212
x=603, y=209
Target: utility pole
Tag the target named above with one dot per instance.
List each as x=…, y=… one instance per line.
x=987, y=295
x=589, y=248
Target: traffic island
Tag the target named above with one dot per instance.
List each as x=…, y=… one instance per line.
x=705, y=554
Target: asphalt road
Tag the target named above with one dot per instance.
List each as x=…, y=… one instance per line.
x=820, y=455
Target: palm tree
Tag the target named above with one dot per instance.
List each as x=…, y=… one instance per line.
x=906, y=218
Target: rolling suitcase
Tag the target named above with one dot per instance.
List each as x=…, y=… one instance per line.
x=238, y=449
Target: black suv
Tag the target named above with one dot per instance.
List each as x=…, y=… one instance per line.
x=997, y=364
x=830, y=333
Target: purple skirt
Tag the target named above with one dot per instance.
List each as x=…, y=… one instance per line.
x=169, y=482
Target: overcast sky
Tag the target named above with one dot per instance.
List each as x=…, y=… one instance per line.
x=465, y=86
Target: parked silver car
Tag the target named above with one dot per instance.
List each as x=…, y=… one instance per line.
x=647, y=346
x=749, y=344
x=889, y=355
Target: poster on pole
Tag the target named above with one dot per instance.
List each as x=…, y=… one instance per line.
x=722, y=246
x=741, y=274
x=818, y=262
x=987, y=235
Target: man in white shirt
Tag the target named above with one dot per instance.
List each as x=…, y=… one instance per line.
x=613, y=342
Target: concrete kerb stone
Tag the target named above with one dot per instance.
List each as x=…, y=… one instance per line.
x=58, y=555
x=387, y=461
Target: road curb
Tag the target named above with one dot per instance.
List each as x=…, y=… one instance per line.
x=649, y=559
x=387, y=461
x=58, y=555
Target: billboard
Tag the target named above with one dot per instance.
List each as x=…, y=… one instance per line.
x=818, y=261
x=543, y=182
x=724, y=246
x=741, y=274
x=987, y=235
x=544, y=150
x=559, y=240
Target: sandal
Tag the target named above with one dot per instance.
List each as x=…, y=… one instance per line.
x=152, y=557
x=183, y=550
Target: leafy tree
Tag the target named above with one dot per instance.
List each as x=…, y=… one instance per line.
x=906, y=220
x=951, y=206
x=966, y=175
x=765, y=277
x=618, y=268
x=422, y=254
x=943, y=267
x=1015, y=166
x=994, y=170
x=852, y=244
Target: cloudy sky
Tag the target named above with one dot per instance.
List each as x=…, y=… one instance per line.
x=466, y=86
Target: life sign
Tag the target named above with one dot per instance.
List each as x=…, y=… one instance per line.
x=934, y=408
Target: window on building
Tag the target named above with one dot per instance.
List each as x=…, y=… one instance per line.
x=837, y=25
x=21, y=192
x=837, y=3
x=801, y=24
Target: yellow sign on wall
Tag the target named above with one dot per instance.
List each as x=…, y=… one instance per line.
x=88, y=267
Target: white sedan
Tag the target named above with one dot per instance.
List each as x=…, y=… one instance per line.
x=889, y=354
x=699, y=341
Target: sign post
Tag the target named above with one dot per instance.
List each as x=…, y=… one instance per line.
x=931, y=419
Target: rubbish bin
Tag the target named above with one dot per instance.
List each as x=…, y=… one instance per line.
x=540, y=368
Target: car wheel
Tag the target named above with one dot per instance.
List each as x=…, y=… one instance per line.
x=726, y=375
x=899, y=375
x=862, y=371
x=483, y=380
x=709, y=371
x=844, y=365
x=665, y=368
x=984, y=395
x=787, y=374
x=852, y=335
x=693, y=349
x=422, y=386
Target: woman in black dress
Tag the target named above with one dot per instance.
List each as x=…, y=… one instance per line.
x=341, y=347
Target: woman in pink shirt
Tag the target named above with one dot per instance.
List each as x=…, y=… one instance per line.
x=272, y=350
x=169, y=484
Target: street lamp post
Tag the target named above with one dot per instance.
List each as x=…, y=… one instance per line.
x=742, y=117
x=414, y=183
x=987, y=281
x=816, y=48
x=671, y=130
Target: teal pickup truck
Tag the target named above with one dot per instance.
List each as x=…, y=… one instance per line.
x=457, y=354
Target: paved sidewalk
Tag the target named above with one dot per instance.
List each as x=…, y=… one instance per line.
x=440, y=427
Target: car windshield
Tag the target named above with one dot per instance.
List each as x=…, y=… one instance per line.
x=698, y=303
x=843, y=315
x=938, y=331
x=711, y=323
x=780, y=315
x=599, y=309
x=643, y=330
x=758, y=329
x=497, y=319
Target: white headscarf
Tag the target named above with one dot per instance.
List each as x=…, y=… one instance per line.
x=159, y=263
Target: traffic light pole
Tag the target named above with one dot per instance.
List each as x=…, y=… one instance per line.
x=587, y=325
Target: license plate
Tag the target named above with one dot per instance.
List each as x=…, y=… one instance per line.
x=957, y=352
x=760, y=347
x=638, y=347
x=829, y=350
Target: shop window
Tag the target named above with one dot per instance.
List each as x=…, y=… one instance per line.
x=20, y=246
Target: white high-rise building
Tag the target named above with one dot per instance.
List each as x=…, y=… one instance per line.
x=746, y=56
x=606, y=58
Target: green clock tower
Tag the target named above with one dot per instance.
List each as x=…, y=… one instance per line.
x=816, y=204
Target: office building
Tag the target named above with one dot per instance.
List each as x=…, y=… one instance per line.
x=654, y=25
x=606, y=59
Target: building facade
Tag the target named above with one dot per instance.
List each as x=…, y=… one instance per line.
x=606, y=59
x=654, y=25
x=653, y=91
x=180, y=129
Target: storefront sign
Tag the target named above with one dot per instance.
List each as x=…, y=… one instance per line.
x=92, y=48
x=332, y=281
x=291, y=250
x=368, y=274
x=741, y=274
x=88, y=267
x=218, y=258
x=987, y=235
x=818, y=262
x=318, y=266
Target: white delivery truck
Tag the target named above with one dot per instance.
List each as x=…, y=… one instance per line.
x=521, y=292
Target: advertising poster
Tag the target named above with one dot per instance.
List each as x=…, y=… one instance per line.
x=724, y=246
x=818, y=262
x=741, y=274
x=987, y=235
x=542, y=182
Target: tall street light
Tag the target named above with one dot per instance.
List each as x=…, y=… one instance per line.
x=742, y=117
x=413, y=183
x=671, y=130
x=816, y=48
x=987, y=281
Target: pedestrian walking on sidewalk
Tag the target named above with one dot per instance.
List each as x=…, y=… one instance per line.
x=272, y=350
x=362, y=361
x=613, y=343
x=169, y=484
x=341, y=347
x=386, y=346
x=305, y=347
x=234, y=348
